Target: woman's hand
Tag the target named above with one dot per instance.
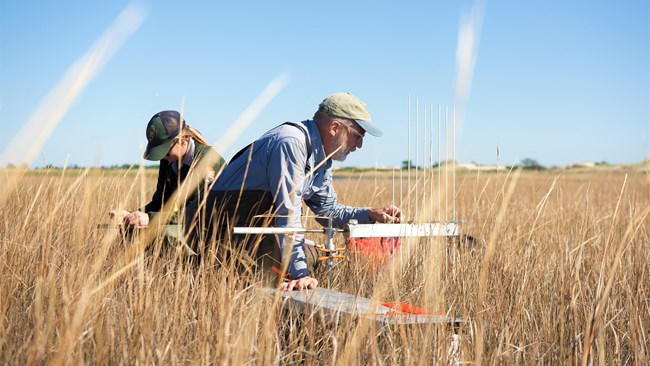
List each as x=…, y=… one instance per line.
x=134, y=218
x=119, y=214
x=210, y=175
x=137, y=218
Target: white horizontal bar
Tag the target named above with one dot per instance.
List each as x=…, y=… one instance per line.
x=403, y=230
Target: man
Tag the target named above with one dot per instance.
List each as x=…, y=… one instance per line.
x=288, y=165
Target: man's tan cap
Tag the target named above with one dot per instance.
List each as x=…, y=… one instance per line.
x=346, y=105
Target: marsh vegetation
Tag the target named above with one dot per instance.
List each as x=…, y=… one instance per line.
x=559, y=274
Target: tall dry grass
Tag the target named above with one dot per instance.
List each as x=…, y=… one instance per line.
x=560, y=274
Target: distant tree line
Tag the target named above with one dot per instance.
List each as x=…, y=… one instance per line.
x=530, y=164
x=409, y=163
x=526, y=164
x=76, y=166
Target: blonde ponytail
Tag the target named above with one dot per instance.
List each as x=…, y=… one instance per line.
x=193, y=133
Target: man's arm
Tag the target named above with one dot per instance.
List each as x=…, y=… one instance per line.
x=286, y=172
x=324, y=203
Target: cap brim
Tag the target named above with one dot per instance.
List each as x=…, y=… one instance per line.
x=369, y=127
x=158, y=152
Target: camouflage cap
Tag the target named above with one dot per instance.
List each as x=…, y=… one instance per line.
x=346, y=105
x=161, y=130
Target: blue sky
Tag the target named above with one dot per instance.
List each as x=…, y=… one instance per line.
x=556, y=81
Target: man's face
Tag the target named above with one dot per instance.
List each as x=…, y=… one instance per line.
x=349, y=138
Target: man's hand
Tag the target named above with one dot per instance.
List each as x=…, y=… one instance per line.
x=388, y=214
x=300, y=284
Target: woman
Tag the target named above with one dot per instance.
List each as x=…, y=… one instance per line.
x=179, y=148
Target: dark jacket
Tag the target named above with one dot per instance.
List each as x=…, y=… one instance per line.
x=168, y=181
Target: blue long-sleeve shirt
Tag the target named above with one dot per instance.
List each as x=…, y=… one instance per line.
x=277, y=165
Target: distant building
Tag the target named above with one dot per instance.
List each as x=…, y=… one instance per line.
x=585, y=164
x=473, y=166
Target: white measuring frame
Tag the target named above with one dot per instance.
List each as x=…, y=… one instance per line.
x=367, y=230
x=403, y=230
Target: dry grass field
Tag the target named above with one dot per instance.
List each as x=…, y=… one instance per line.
x=559, y=274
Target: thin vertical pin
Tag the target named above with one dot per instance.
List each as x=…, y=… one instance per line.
x=453, y=180
x=439, y=168
x=401, y=192
x=417, y=154
x=424, y=164
x=401, y=195
x=431, y=212
x=446, y=162
x=408, y=162
x=392, y=200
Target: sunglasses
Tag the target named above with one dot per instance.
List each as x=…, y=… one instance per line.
x=354, y=131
